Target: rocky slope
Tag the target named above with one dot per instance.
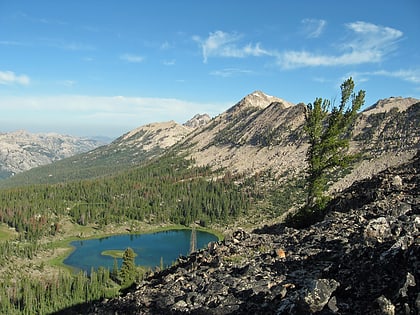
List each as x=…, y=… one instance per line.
x=197, y=121
x=363, y=258
x=21, y=150
x=262, y=133
x=160, y=135
x=153, y=136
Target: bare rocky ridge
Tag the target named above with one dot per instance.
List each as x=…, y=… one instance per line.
x=257, y=133
x=160, y=135
x=387, y=104
x=21, y=150
x=363, y=258
x=152, y=136
x=263, y=133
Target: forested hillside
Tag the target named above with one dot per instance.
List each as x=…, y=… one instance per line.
x=165, y=190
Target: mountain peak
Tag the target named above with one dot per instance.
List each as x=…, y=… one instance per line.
x=197, y=121
x=259, y=100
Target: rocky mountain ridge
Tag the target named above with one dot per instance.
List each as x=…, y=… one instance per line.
x=21, y=150
x=259, y=134
x=361, y=259
x=269, y=137
x=160, y=135
x=387, y=104
x=152, y=136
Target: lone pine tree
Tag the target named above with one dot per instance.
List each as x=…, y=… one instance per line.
x=329, y=130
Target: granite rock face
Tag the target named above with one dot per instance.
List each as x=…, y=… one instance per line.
x=363, y=258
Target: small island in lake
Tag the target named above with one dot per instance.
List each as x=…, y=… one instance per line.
x=114, y=253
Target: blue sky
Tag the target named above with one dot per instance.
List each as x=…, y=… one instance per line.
x=99, y=67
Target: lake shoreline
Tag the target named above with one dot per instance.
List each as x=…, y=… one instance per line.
x=153, y=249
x=67, y=249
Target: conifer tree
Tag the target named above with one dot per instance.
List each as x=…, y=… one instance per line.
x=329, y=131
x=128, y=268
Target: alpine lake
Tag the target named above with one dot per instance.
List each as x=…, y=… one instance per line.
x=151, y=250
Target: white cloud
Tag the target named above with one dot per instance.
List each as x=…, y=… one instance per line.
x=132, y=58
x=74, y=46
x=165, y=45
x=11, y=43
x=67, y=83
x=229, y=72
x=313, y=28
x=409, y=75
x=9, y=77
x=369, y=43
x=373, y=38
x=66, y=45
x=222, y=44
x=171, y=62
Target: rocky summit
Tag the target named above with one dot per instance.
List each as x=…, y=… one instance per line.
x=363, y=258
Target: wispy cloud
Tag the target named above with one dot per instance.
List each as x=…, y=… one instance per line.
x=230, y=72
x=408, y=75
x=165, y=45
x=313, y=28
x=12, y=43
x=41, y=20
x=223, y=44
x=9, y=77
x=74, y=46
x=65, y=44
x=132, y=58
x=171, y=62
x=67, y=83
x=368, y=43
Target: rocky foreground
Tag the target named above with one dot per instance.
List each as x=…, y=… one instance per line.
x=363, y=258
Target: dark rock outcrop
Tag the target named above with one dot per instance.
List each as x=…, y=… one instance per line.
x=363, y=258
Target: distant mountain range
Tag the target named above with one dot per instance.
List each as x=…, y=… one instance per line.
x=259, y=134
x=132, y=148
x=21, y=150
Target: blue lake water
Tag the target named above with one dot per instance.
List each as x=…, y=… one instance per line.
x=150, y=248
